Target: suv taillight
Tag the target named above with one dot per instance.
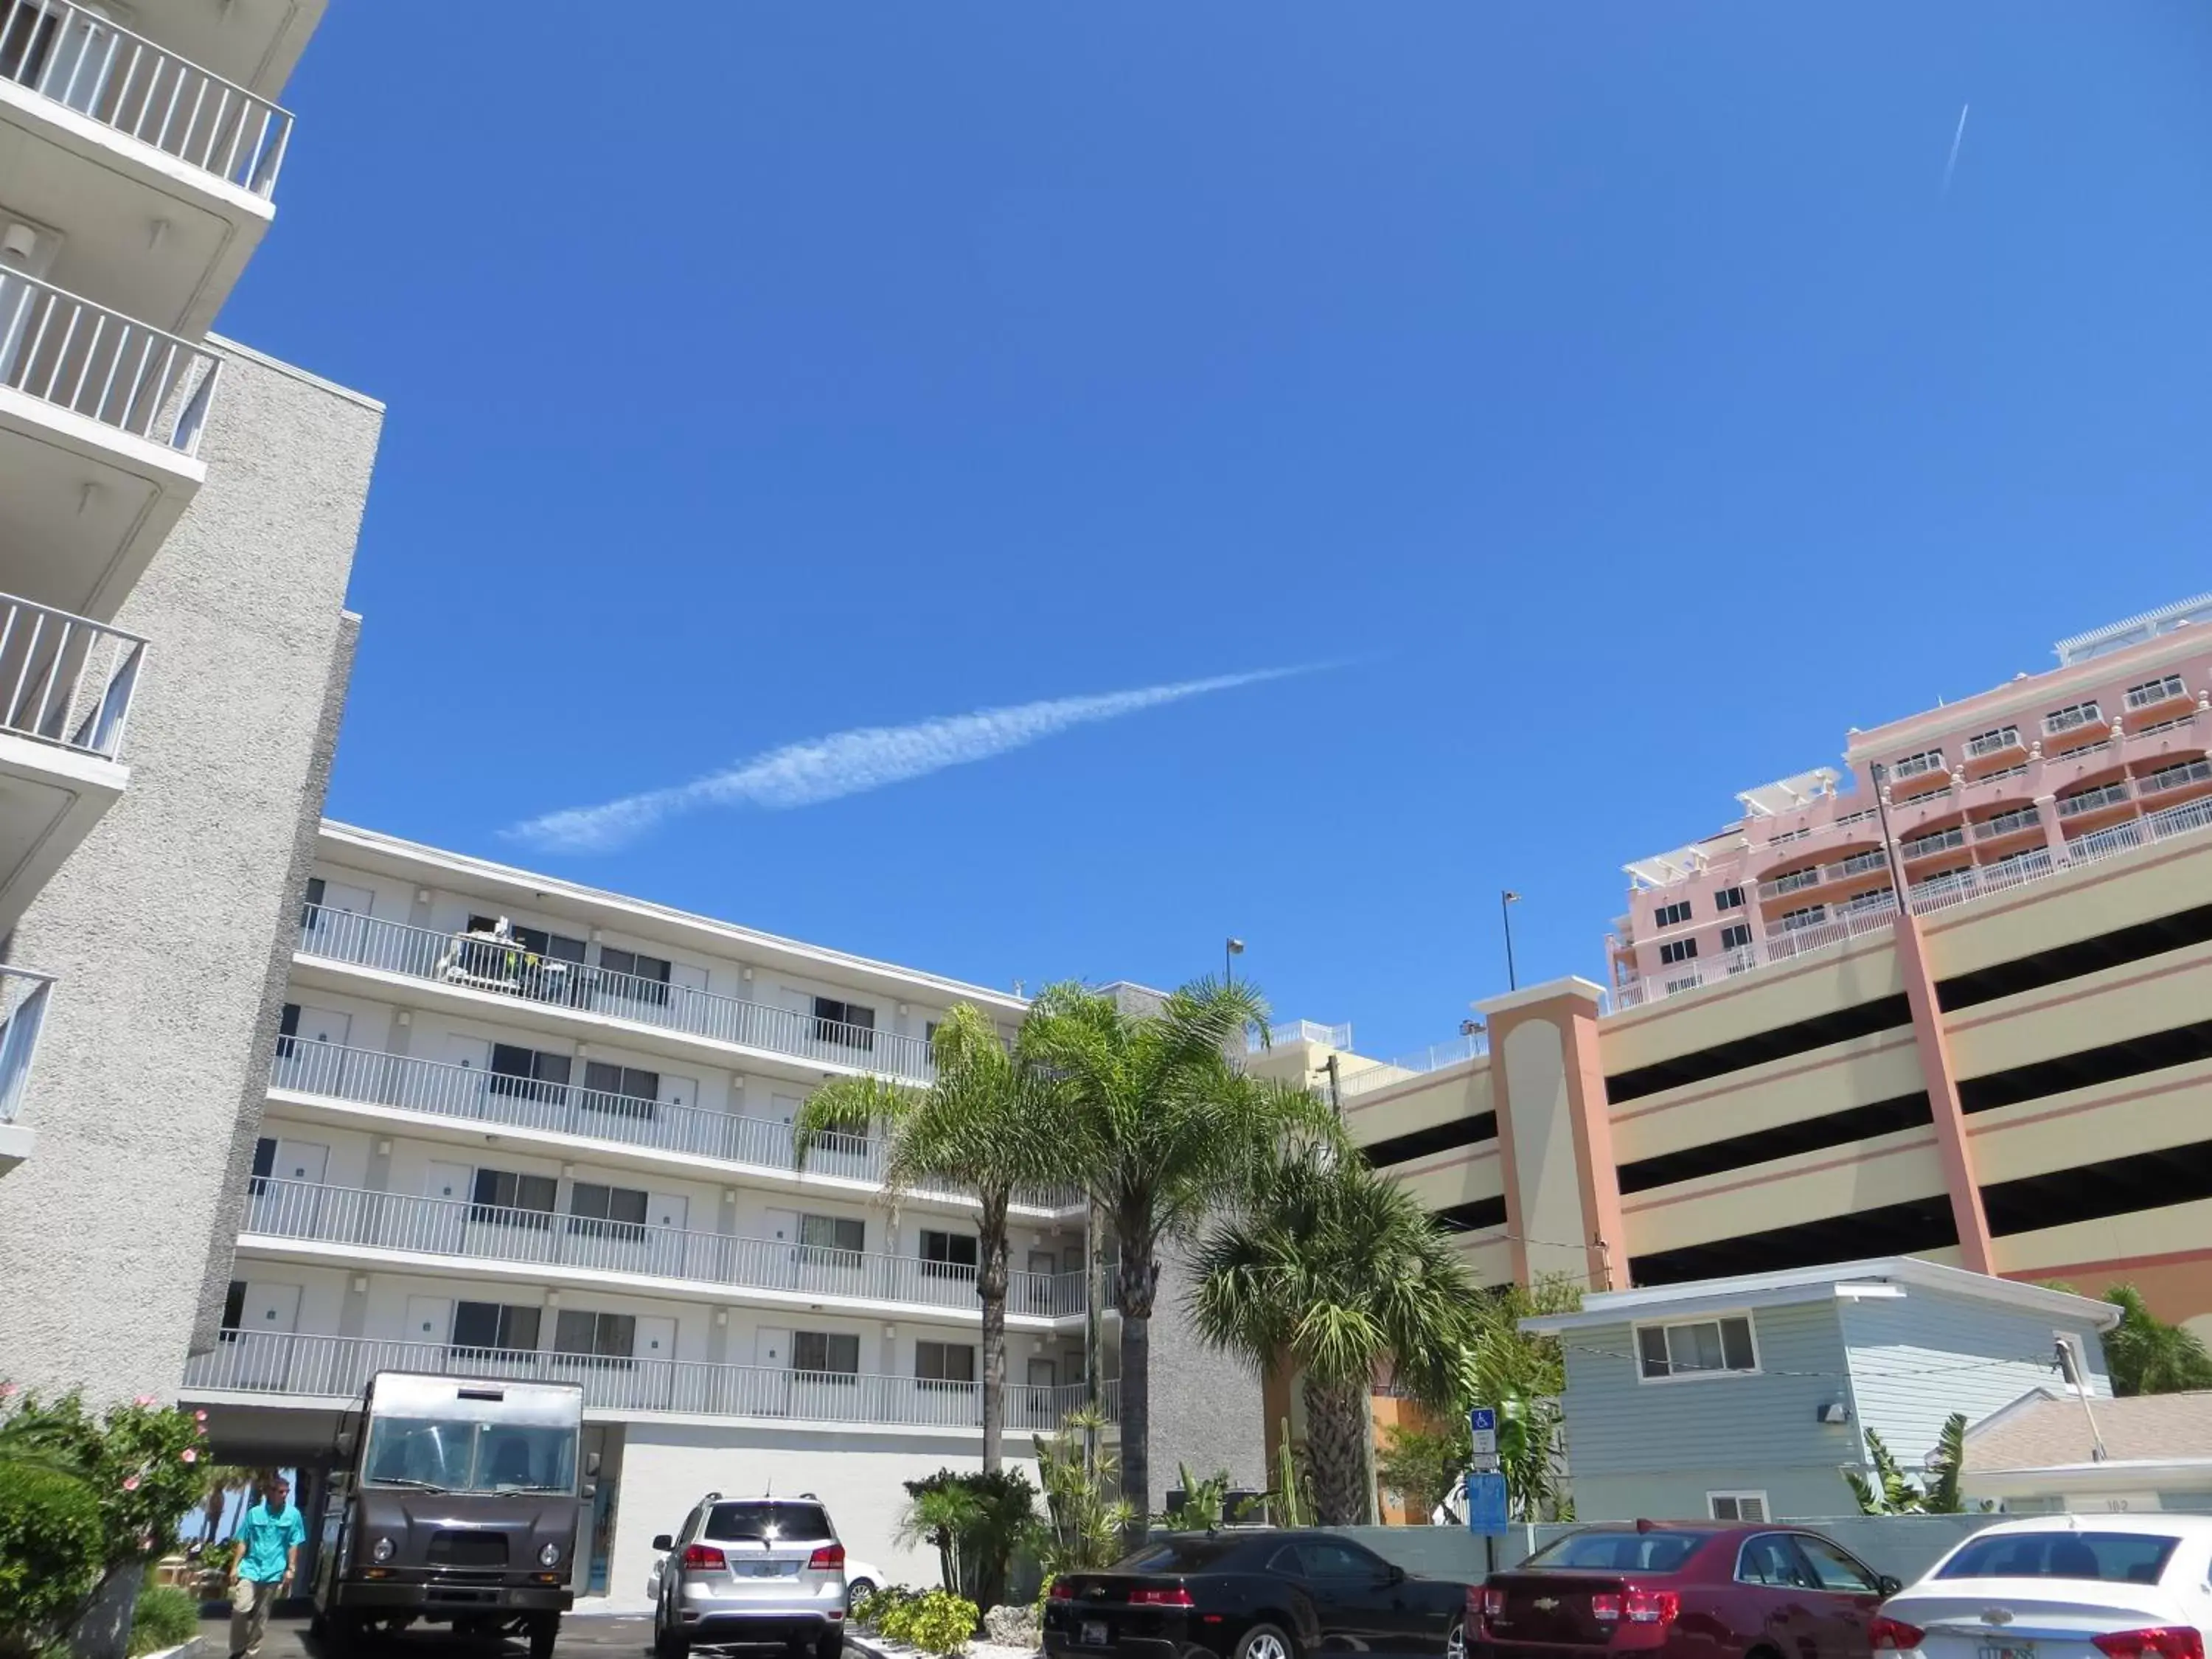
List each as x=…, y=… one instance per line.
x=828, y=1556
x=702, y=1555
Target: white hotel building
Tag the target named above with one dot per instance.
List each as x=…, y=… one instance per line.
x=518, y=1126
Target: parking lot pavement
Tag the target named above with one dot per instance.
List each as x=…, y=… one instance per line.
x=622, y=1637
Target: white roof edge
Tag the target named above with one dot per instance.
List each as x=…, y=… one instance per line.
x=726, y=932
x=229, y=347
x=2074, y=642
x=1615, y=1307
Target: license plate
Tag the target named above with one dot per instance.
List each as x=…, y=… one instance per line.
x=1094, y=1633
x=2007, y=1651
x=766, y=1568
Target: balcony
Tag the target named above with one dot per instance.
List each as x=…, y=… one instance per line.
x=65, y=689
x=22, y=1011
x=465, y=1095
x=295, y=1210
x=2156, y=693
x=332, y=1371
x=1799, y=881
x=480, y=965
x=1994, y=743
x=1405, y=1067
x=1926, y=847
x=1915, y=766
x=2188, y=774
x=111, y=136
x=2116, y=793
x=100, y=419
x=2008, y=823
x=2072, y=719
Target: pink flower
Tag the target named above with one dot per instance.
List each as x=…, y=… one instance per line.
x=200, y=1417
x=189, y=1454
x=130, y=1483
x=143, y=1399
x=7, y=1390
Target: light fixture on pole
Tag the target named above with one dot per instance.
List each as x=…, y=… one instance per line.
x=1507, y=898
x=1230, y=949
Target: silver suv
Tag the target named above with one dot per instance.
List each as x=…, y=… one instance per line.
x=751, y=1569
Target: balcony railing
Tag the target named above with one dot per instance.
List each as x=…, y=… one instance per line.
x=22, y=1010
x=477, y=961
x=1798, y=881
x=1942, y=841
x=1993, y=743
x=64, y=680
x=1299, y=1030
x=472, y=1095
x=1915, y=766
x=2008, y=823
x=338, y=1367
x=2072, y=719
x=87, y=62
x=2159, y=691
x=99, y=364
x=449, y=1227
x=2115, y=794
x=1435, y=1057
x=2169, y=778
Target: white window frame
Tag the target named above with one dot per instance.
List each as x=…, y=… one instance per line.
x=1751, y=1329
x=1765, y=1517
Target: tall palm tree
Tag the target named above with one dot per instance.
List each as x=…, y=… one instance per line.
x=2147, y=1355
x=1337, y=1270
x=1167, y=1130
x=990, y=1123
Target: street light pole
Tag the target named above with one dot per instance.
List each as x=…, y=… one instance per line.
x=1230, y=949
x=1507, y=898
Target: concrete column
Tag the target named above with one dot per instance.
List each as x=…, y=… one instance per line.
x=2046, y=812
x=1555, y=1134
x=1935, y=1051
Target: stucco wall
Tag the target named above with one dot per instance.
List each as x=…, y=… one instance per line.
x=161, y=926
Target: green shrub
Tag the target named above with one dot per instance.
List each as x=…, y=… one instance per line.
x=872, y=1609
x=50, y=1549
x=167, y=1617
x=939, y=1622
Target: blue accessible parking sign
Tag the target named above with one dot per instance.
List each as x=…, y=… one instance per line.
x=1486, y=1504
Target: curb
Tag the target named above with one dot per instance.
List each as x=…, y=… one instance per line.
x=188, y=1649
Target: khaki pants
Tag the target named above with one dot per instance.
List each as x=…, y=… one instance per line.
x=249, y=1615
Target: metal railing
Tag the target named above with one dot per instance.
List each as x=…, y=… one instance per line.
x=2071, y=719
x=98, y=364
x=2008, y=823
x=339, y=1367
x=480, y=962
x=1299, y=1030
x=1435, y=1057
x=2169, y=778
x=468, y=1093
x=1915, y=766
x=63, y=680
x=1993, y=743
x=94, y=65
x=2159, y=691
x=2082, y=750
x=2115, y=794
x=2174, y=725
x=1942, y=841
x=452, y=1227
x=1796, y=881
x=22, y=1011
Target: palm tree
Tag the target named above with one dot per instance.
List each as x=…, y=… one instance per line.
x=2147, y=1355
x=1337, y=1271
x=990, y=1123
x=1166, y=1129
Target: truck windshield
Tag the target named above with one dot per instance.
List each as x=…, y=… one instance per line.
x=438, y=1455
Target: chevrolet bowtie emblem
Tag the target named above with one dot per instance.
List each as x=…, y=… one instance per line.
x=1546, y=1603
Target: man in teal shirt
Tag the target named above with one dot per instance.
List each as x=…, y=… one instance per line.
x=269, y=1541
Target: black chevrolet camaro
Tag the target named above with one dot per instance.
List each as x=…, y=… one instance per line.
x=1258, y=1594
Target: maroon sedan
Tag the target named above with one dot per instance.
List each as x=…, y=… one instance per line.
x=1687, y=1591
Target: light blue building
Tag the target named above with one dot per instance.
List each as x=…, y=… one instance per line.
x=1748, y=1398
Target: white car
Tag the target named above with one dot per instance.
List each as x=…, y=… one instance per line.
x=860, y=1578
x=2062, y=1587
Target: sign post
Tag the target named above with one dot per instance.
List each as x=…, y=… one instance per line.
x=1487, y=1514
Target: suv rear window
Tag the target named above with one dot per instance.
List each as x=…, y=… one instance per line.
x=766, y=1523
x=1618, y=1551
x=2113, y=1557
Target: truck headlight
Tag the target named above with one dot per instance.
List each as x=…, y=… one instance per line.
x=384, y=1550
x=550, y=1556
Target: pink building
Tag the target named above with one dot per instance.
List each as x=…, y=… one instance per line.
x=2001, y=788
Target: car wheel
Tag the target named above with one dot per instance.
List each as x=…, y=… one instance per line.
x=1455, y=1640
x=857, y=1587
x=1265, y=1642
x=831, y=1645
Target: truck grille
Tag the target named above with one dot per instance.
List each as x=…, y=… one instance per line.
x=467, y=1549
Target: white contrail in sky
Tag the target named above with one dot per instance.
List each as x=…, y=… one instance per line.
x=1957, y=138
x=853, y=762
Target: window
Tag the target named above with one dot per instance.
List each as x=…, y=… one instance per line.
x=1680, y=950
x=847, y=1024
x=634, y=975
x=531, y=1073
x=1772, y=1558
x=2153, y=691
x=509, y=1199
x=607, y=1337
x=2073, y=715
x=945, y=1362
x=2114, y=1558
x=1736, y=936
x=1728, y=898
x=1844, y=1574
x=1695, y=1347
x=1671, y=916
x=234, y=1311
x=1615, y=1551
x=1736, y=1506
x=495, y=1328
x=825, y=1353
x=947, y=1255
x=832, y=1241
x=757, y=1522
x=1331, y=1558
x=622, y=1091
x=600, y=1212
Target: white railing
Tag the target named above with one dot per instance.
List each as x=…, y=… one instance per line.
x=2174, y=725
x=85, y=60
x=2069, y=719
x=1993, y=743
x=2114, y=793
x=1958, y=886
x=2020, y=770
x=468, y=1093
x=2008, y=823
x=98, y=364
x=1795, y=881
x=1435, y=1057
x=1299, y=1030
x=2149, y=696
x=450, y=1227
x=65, y=680
x=1914, y=766
x=1798, y=881
x=1926, y=846
x=339, y=1367
x=2169, y=778
x=22, y=1011
x=2082, y=750
x=480, y=962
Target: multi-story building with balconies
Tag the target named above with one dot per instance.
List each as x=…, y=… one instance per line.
x=177, y=525
x=514, y=1126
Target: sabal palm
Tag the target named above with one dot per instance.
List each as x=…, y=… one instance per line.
x=1337, y=1271
x=990, y=1123
x=1167, y=1129
x=2146, y=1355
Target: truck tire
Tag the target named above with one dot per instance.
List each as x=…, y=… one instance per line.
x=830, y=1645
x=544, y=1631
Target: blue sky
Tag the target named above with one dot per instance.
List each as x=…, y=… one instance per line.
x=1613, y=394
